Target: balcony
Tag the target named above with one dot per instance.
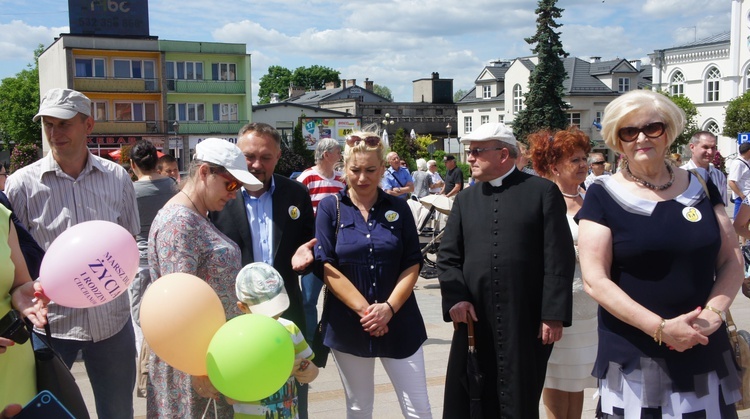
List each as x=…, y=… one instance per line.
x=108, y=84
x=236, y=87
x=167, y=127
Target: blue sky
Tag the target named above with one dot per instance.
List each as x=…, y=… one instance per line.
x=391, y=42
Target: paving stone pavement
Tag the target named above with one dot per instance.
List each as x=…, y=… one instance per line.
x=326, y=394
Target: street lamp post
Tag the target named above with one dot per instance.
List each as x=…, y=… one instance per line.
x=387, y=121
x=185, y=147
x=448, y=129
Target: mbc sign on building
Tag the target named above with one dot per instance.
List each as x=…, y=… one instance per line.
x=108, y=17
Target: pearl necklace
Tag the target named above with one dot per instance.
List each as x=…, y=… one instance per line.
x=649, y=184
x=567, y=195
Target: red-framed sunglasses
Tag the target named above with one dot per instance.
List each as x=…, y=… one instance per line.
x=233, y=184
x=371, y=141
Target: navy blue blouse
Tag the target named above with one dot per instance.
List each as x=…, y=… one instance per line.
x=372, y=254
x=664, y=257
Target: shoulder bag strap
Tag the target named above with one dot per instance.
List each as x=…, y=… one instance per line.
x=702, y=181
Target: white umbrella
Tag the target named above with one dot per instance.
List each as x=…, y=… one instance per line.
x=385, y=138
x=413, y=134
x=441, y=203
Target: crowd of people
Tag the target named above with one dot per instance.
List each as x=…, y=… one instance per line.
x=572, y=275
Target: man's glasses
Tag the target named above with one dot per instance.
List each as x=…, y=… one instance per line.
x=233, y=184
x=371, y=141
x=652, y=130
x=474, y=152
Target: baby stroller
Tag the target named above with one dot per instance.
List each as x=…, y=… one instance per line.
x=432, y=225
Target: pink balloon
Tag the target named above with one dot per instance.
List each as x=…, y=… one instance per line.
x=89, y=264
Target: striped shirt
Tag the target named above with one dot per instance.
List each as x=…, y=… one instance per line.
x=320, y=186
x=48, y=201
x=717, y=177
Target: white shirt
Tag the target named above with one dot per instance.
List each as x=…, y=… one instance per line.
x=739, y=172
x=716, y=176
x=48, y=201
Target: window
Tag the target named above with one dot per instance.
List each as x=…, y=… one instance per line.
x=136, y=69
x=184, y=70
x=135, y=111
x=486, y=92
x=186, y=112
x=485, y=119
x=224, y=71
x=517, y=98
x=677, y=84
x=501, y=118
x=574, y=118
x=225, y=112
x=747, y=79
x=467, y=124
x=713, y=78
x=713, y=128
x=90, y=67
x=623, y=84
x=99, y=111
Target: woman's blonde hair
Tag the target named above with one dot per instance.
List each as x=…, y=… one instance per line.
x=641, y=100
x=362, y=146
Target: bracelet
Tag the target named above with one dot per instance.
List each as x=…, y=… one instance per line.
x=658, y=332
x=721, y=314
x=391, y=307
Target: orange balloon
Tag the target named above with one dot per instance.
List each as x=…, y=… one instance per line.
x=180, y=313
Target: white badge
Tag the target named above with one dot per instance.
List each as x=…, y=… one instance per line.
x=391, y=215
x=692, y=214
x=294, y=212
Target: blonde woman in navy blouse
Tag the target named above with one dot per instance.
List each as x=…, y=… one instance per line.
x=371, y=261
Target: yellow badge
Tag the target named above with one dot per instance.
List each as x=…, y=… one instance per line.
x=391, y=216
x=294, y=212
x=692, y=214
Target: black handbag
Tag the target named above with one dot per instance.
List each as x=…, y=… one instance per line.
x=319, y=348
x=54, y=376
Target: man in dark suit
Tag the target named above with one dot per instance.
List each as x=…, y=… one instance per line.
x=506, y=260
x=270, y=224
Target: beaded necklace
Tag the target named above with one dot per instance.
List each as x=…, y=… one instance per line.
x=649, y=184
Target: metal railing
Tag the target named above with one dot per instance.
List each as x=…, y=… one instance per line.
x=167, y=127
x=206, y=86
x=109, y=84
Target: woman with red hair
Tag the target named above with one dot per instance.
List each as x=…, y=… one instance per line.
x=561, y=157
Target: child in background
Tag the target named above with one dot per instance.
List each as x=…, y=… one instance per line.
x=260, y=290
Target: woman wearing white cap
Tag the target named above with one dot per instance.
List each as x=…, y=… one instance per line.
x=183, y=240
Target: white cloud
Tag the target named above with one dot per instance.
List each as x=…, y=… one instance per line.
x=18, y=40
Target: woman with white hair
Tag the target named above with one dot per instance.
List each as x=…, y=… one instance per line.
x=422, y=179
x=659, y=255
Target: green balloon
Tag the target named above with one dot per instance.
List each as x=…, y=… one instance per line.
x=250, y=357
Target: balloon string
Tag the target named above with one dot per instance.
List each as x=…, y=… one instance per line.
x=216, y=412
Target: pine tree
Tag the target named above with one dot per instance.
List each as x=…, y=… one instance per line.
x=544, y=104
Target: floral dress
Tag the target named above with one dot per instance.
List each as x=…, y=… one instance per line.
x=180, y=240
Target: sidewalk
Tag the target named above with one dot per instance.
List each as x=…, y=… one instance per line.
x=326, y=394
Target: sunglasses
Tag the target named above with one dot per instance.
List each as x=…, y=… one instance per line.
x=353, y=140
x=652, y=130
x=597, y=162
x=233, y=184
x=474, y=152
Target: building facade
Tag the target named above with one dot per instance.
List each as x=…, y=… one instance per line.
x=172, y=93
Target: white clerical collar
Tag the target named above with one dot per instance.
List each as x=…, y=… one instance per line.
x=499, y=181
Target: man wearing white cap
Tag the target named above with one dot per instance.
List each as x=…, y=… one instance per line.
x=506, y=260
x=69, y=186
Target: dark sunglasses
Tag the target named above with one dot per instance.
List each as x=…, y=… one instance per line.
x=597, y=162
x=353, y=140
x=474, y=152
x=652, y=130
x=233, y=184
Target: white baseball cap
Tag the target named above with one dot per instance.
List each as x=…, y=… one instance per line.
x=63, y=104
x=230, y=157
x=261, y=287
x=491, y=131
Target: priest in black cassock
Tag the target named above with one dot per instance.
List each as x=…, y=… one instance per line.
x=507, y=260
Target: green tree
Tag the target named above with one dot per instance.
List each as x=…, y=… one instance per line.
x=737, y=118
x=691, y=125
x=424, y=141
x=277, y=80
x=382, y=91
x=544, y=104
x=19, y=101
x=460, y=93
x=314, y=77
